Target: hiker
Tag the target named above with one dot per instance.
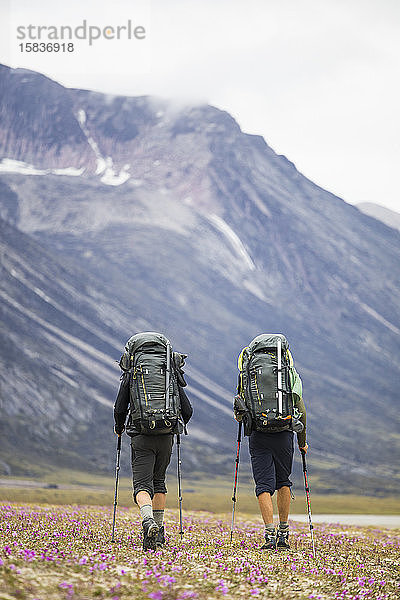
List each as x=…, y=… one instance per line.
x=149, y=367
x=270, y=406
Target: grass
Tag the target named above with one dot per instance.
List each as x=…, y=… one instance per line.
x=75, y=487
x=50, y=552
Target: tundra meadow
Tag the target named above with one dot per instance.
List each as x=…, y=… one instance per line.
x=65, y=552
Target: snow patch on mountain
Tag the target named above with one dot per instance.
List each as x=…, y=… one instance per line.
x=81, y=117
x=254, y=289
x=105, y=165
x=110, y=177
x=15, y=166
x=233, y=239
x=101, y=163
x=8, y=165
x=71, y=171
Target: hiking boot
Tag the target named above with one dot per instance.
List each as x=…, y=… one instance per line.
x=160, y=539
x=270, y=541
x=150, y=531
x=283, y=540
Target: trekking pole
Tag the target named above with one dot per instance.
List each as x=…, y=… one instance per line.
x=307, y=489
x=178, y=447
x=116, y=485
x=236, y=476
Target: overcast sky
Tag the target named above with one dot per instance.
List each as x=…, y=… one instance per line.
x=319, y=79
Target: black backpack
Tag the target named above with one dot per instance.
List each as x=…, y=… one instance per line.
x=153, y=383
x=265, y=396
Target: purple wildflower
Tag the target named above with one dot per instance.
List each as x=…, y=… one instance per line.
x=222, y=587
x=156, y=595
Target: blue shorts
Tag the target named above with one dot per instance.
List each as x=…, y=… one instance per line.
x=271, y=460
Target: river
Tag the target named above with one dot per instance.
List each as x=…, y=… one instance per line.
x=386, y=521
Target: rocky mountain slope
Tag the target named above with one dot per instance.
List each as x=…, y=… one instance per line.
x=381, y=213
x=125, y=214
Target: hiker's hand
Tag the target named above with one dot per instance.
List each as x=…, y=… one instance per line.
x=239, y=409
x=119, y=432
x=304, y=449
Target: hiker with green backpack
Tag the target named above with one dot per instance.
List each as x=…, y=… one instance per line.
x=270, y=406
x=151, y=394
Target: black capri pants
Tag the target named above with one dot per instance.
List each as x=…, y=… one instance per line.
x=150, y=457
x=271, y=460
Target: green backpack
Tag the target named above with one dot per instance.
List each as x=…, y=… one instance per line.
x=153, y=384
x=268, y=385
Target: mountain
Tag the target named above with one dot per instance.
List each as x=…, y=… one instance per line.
x=381, y=213
x=129, y=214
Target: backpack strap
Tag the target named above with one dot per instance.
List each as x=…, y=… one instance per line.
x=125, y=363
x=240, y=367
x=279, y=376
x=241, y=356
x=168, y=378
